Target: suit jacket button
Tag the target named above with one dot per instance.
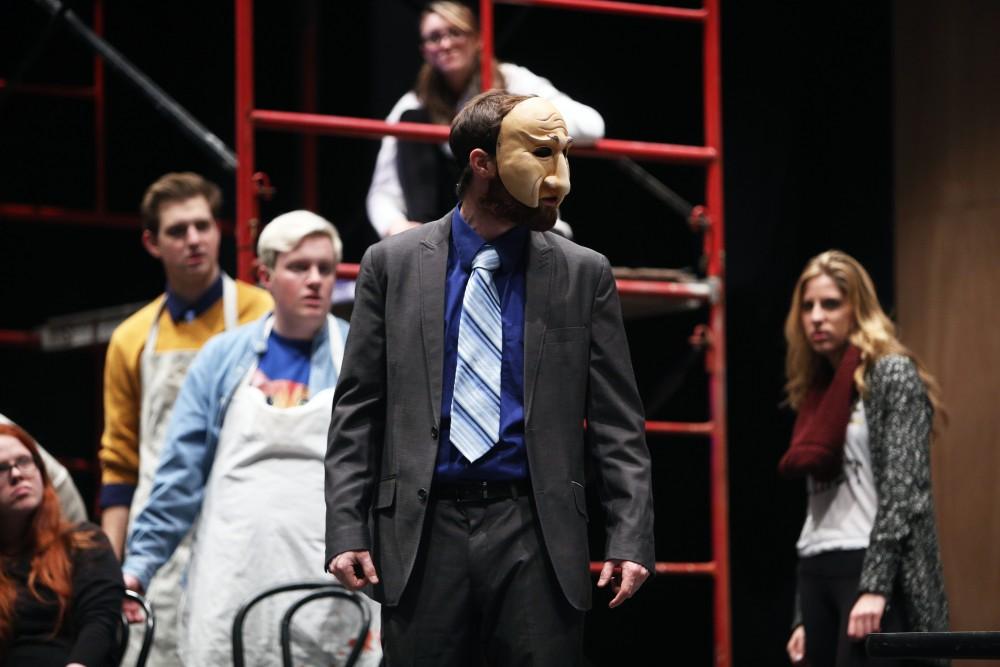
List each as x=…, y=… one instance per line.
x=422, y=495
x=434, y=432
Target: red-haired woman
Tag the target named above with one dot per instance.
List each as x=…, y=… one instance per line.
x=60, y=585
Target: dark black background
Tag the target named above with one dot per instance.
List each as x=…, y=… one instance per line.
x=807, y=145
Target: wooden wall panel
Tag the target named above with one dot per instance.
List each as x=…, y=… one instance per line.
x=947, y=191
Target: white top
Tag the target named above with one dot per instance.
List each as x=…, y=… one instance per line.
x=841, y=513
x=385, y=195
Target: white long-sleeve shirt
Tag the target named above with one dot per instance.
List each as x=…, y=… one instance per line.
x=385, y=202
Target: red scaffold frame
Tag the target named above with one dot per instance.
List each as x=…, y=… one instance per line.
x=94, y=93
x=709, y=156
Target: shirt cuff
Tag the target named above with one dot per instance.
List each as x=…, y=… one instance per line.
x=140, y=568
x=113, y=495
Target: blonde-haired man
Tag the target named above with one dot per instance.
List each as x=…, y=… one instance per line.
x=244, y=456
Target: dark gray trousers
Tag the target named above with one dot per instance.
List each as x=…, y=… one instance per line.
x=482, y=593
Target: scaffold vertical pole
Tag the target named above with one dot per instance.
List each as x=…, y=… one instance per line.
x=486, y=41
x=715, y=253
x=246, y=200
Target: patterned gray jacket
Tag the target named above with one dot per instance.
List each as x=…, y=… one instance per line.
x=903, y=554
x=903, y=561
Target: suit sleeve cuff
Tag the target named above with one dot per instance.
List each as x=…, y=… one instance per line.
x=346, y=539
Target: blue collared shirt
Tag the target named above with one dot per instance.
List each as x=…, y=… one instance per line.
x=508, y=459
x=181, y=310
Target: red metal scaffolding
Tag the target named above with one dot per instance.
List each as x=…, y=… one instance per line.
x=95, y=93
x=709, y=156
x=249, y=119
x=100, y=216
x=17, y=211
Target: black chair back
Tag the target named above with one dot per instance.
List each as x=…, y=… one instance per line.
x=147, y=638
x=320, y=589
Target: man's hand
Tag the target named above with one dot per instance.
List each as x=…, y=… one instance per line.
x=625, y=582
x=132, y=610
x=796, y=646
x=353, y=569
x=866, y=616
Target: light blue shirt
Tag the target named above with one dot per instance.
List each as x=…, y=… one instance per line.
x=193, y=435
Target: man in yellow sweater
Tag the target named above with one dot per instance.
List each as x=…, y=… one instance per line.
x=148, y=356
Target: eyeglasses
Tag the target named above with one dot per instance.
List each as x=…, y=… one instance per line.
x=435, y=38
x=25, y=464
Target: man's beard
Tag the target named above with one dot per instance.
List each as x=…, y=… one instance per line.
x=498, y=201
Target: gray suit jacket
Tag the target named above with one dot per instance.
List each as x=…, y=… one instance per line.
x=383, y=437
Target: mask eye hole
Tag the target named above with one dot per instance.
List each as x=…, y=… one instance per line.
x=542, y=151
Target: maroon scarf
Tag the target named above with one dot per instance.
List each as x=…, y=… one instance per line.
x=817, y=447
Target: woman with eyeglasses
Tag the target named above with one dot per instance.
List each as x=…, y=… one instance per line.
x=60, y=585
x=414, y=182
x=868, y=552
x=69, y=497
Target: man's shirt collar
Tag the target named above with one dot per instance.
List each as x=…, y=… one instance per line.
x=509, y=246
x=180, y=310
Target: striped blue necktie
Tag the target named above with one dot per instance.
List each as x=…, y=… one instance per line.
x=475, y=405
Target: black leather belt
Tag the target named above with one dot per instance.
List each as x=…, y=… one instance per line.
x=472, y=492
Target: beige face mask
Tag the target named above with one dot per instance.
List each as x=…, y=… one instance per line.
x=531, y=153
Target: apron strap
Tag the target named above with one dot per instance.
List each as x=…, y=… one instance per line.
x=229, y=313
x=334, y=337
x=336, y=342
x=150, y=349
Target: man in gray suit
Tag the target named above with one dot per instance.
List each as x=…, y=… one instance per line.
x=486, y=362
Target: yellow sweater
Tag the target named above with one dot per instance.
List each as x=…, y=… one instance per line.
x=119, y=453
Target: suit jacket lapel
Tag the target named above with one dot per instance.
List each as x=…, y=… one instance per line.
x=433, y=264
x=538, y=282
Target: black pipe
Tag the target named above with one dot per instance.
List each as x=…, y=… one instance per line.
x=655, y=187
x=162, y=102
x=965, y=645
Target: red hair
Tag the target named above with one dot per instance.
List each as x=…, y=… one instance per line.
x=50, y=539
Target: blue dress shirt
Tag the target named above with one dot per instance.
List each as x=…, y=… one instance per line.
x=508, y=460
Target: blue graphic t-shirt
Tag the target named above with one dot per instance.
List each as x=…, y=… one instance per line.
x=283, y=371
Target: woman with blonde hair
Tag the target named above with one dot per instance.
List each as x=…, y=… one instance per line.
x=414, y=182
x=60, y=585
x=868, y=553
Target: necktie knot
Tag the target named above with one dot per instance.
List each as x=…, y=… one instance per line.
x=487, y=258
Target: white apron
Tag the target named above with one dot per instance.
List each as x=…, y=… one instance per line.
x=162, y=376
x=262, y=524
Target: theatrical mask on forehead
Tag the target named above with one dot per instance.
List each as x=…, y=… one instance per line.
x=531, y=153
